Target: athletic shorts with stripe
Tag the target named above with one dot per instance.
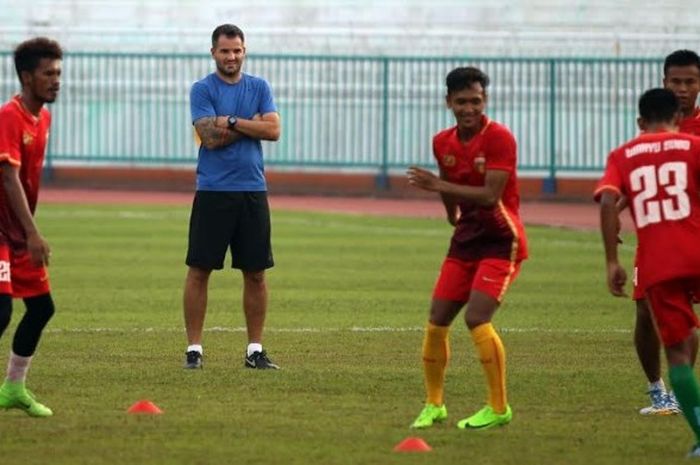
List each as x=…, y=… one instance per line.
x=239, y=221
x=19, y=277
x=458, y=278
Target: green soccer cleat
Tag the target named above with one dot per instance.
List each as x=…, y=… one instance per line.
x=430, y=414
x=15, y=395
x=486, y=418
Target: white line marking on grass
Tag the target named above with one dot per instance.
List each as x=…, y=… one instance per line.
x=434, y=229
x=565, y=330
x=439, y=231
x=538, y=241
x=353, y=329
x=116, y=214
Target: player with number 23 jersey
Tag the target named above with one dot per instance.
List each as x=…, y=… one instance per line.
x=656, y=171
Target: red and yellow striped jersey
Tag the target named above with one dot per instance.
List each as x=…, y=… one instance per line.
x=483, y=232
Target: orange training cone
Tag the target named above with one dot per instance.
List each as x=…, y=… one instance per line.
x=412, y=445
x=145, y=407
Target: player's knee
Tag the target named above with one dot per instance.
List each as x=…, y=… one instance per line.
x=480, y=309
x=642, y=306
x=256, y=278
x=198, y=276
x=443, y=312
x=5, y=311
x=40, y=309
x=473, y=321
x=643, y=312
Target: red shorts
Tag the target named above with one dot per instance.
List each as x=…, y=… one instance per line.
x=639, y=294
x=458, y=278
x=672, y=308
x=19, y=278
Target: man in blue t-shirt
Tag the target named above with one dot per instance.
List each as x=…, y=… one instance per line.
x=231, y=112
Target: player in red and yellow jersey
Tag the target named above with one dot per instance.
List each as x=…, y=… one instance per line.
x=478, y=187
x=682, y=77
x=24, y=253
x=659, y=173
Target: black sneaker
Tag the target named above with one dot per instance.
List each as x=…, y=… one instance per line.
x=194, y=360
x=259, y=360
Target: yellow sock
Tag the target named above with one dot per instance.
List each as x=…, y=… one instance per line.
x=436, y=353
x=493, y=359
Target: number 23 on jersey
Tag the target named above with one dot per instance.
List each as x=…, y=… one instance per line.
x=646, y=182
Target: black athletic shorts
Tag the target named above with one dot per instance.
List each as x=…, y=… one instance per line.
x=236, y=220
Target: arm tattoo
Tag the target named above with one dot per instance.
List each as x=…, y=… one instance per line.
x=212, y=136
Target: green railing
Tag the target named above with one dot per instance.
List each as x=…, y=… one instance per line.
x=342, y=112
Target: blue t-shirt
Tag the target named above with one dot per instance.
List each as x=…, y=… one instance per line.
x=238, y=166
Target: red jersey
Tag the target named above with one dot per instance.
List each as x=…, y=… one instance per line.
x=660, y=175
x=483, y=232
x=691, y=124
x=23, y=138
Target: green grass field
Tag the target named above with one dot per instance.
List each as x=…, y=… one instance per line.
x=348, y=299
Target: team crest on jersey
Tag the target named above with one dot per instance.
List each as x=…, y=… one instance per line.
x=480, y=163
x=27, y=138
x=449, y=160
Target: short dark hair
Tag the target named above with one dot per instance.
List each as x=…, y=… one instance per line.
x=228, y=30
x=29, y=53
x=461, y=78
x=658, y=105
x=681, y=58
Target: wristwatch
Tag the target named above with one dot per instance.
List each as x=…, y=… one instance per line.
x=232, y=120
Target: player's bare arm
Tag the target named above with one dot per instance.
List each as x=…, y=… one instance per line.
x=214, y=134
x=621, y=204
x=266, y=127
x=487, y=195
x=609, y=226
x=38, y=248
x=450, y=203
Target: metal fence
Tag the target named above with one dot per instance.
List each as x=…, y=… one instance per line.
x=342, y=112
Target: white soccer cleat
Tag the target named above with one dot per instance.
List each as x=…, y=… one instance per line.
x=662, y=403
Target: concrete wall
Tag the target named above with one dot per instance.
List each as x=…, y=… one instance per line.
x=294, y=182
x=403, y=27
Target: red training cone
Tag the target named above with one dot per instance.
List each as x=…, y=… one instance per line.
x=412, y=445
x=145, y=407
